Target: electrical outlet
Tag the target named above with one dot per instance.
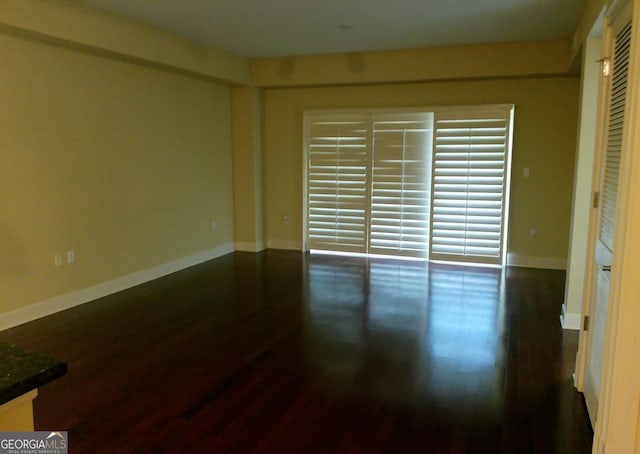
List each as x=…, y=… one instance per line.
x=71, y=257
x=57, y=260
x=285, y=219
x=533, y=233
x=525, y=172
x=214, y=225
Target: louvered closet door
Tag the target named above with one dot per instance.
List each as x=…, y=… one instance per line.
x=610, y=150
x=470, y=179
x=337, y=196
x=400, y=184
x=617, y=101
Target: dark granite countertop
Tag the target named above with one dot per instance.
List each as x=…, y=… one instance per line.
x=22, y=370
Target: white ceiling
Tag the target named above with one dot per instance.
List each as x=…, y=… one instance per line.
x=265, y=28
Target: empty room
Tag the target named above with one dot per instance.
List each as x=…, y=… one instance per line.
x=344, y=226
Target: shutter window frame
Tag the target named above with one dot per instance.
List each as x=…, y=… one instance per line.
x=338, y=152
x=471, y=181
x=400, y=184
x=382, y=202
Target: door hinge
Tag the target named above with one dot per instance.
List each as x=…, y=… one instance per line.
x=605, y=67
x=596, y=199
x=585, y=323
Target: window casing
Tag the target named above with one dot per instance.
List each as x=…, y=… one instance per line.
x=369, y=186
x=471, y=169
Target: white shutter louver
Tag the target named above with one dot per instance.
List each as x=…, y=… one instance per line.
x=617, y=100
x=470, y=170
x=337, y=154
x=400, y=184
x=429, y=184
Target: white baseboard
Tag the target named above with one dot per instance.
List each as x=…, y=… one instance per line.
x=546, y=263
x=570, y=320
x=246, y=246
x=285, y=244
x=85, y=295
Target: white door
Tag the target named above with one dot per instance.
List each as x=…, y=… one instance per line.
x=611, y=151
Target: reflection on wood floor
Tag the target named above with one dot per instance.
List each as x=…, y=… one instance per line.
x=285, y=352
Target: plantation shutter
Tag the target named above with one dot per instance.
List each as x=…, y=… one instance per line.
x=337, y=199
x=470, y=172
x=422, y=184
x=400, y=184
x=617, y=100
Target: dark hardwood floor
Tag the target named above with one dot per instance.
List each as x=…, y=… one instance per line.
x=285, y=352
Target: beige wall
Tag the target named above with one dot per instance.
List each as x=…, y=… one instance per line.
x=73, y=24
x=247, y=169
x=544, y=141
x=591, y=10
x=412, y=65
x=127, y=165
x=115, y=141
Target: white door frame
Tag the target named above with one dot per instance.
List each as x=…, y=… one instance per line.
x=617, y=429
x=618, y=422
x=598, y=161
